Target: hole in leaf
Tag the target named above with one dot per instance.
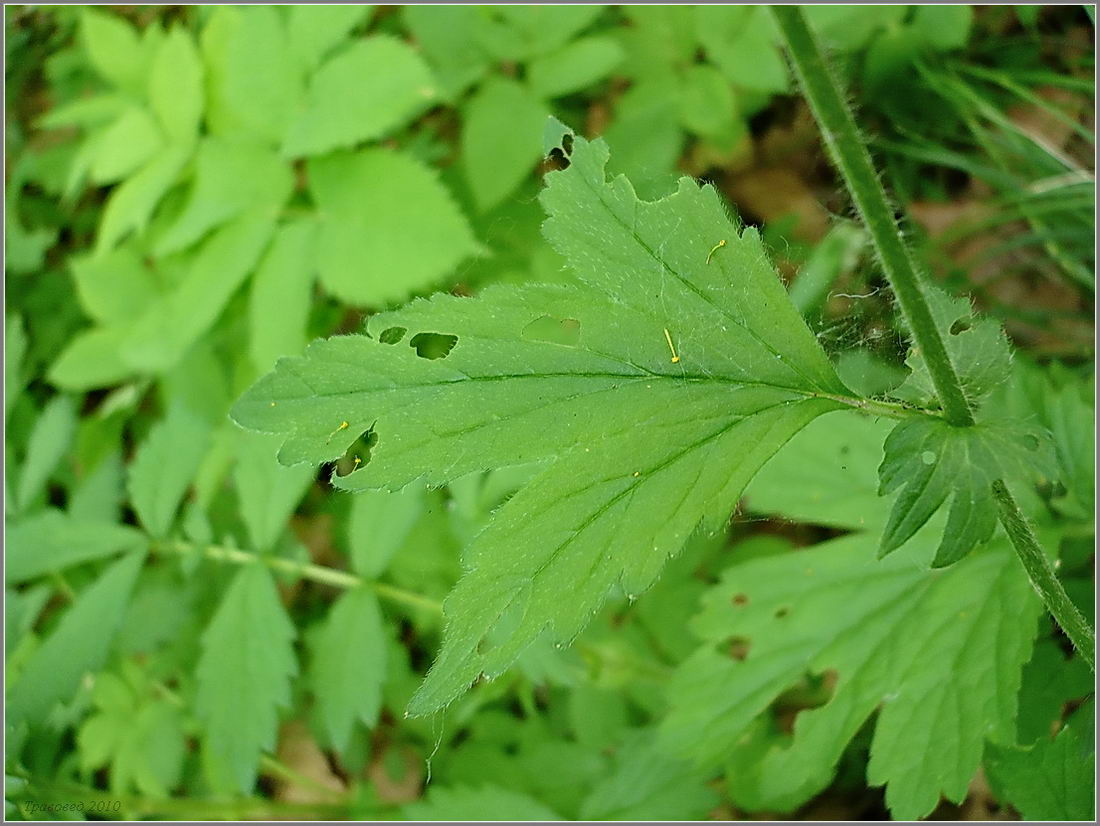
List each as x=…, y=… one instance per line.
x=358, y=454
x=392, y=335
x=564, y=331
x=928, y=457
x=960, y=326
x=433, y=345
x=812, y=691
x=1031, y=442
x=739, y=648
x=740, y=600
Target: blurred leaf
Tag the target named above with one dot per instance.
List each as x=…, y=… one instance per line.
x=315, y=30
x=659, y=40
x=91, y=359
x=889, y=60
x=574, y=66
x=849, y=27
x=123, y=147
x=164, y=467
x=484, y=803
x=130, y=205
x=502, y=126
x=378, y=526
x=599, y=717
x=79, y=644
x=140, y=738
x=868, y=373
x=1071, y=420
x=268, y=491
x=388, y=226
x=21, y=611
x=86, y=112
x=521, y=32
x=1050, y=681
x=49, y=442
x=254, y=88
x=342, y=110
x=176, y=86
x=15, y=351
x=51, y=541
x=450, y=37
x=114, y=49
x=349, y=665
x=944, y=27
x=161, y=336
x=230, y=178
x=1053, y=780
x=282, y=292
x=646, y=138
x=98, y=495
x=835, y=255
x=648, y=784
x=115, y=287
x=707, y=105
x=743, y=43
x=244, y=674
x=941, y=653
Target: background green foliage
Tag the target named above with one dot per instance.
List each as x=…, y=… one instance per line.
x=198, y=631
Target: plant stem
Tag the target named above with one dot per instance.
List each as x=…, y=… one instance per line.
x=306, y=570
x=875, y=407
x=845, y=144
x=1042, y=576
x=850, y=155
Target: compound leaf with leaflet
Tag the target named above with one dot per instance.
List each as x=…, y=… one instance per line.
x=349, y=665
x=244, y=673
x=931, y=461
x=79, y=644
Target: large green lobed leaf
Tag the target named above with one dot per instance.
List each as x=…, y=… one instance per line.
x=652, y=394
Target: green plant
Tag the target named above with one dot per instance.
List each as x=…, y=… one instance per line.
x=534, y=482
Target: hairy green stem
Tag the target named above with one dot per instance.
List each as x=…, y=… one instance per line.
x=1042, y=576
x=306, y=570
x=891, y=410
x=849, y=153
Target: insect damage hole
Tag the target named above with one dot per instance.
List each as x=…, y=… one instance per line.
x=739, y=648
x=433, y=345
x=961, y=325
x=357, y=454
x=563, y=331
x=392, y=335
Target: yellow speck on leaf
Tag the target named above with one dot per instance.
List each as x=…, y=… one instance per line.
x=715, y=249
x=668, y=338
